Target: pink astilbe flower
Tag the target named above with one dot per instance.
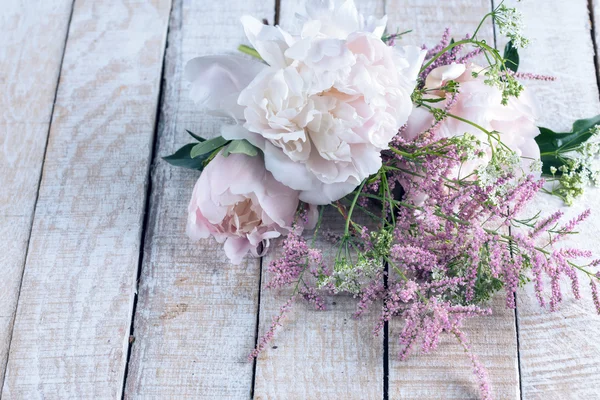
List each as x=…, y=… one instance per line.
x=535, y=77
x=570, y=226
x=286, y=269
x=311, y=296
x=478, y=369
x=595, y=295
x=276, y=322
x=371, y=293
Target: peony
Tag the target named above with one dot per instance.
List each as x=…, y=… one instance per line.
x=326, y=105
x=480, y=103
x=237, y=201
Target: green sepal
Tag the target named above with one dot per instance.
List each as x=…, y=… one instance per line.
x=208, y=146
x=198, y=138
x=182, y=158
x=240, y=147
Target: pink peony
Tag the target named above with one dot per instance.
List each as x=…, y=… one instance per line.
x=238, y=202
x=480, y=103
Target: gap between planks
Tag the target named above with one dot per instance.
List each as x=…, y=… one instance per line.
x=147, y=205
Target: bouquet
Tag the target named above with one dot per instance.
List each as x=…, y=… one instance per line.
x=429, y=156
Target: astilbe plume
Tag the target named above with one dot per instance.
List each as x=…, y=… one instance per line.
x=442, y=246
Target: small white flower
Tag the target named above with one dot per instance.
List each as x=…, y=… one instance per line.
x=510, y=24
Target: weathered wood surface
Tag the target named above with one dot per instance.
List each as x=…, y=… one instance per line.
x=559, y=352
x=195, y=320
x=318, y=354
x=196, y=317
x=72, y=324
x=447, y=373
x=31, y=50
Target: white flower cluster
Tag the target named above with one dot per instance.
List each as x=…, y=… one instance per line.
x=582, y=168
x=348, y=277
x=587, y=157
x=510, y=23
x=502, y=164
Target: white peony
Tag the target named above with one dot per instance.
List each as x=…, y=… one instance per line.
x=329, y=101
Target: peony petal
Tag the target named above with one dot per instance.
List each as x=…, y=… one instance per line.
x=339, y=18
x=268, y=40
x=286, y=171
x=236, y=249
x=312, y=217
x=439, y=75
x=327, y=194
x=414, y=56
x=197, y=227
x=419, y=121
x=218, y=80
x=375, y=25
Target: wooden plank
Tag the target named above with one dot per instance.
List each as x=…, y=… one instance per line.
x=195, y=320
x=559, y=353
x=27, y=89
x=318, y=354
x=447, y=373
x=72, y=325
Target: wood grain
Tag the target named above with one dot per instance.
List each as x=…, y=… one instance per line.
x=319, y=354
x=196, y=317
x=72, y=325
x=447, y=373
x=559, y=352
x=31, y=50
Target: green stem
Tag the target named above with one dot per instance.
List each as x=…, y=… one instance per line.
x=318, y=226
x=447, y=48
x=481, y=23
x=401, y=153
x=351, y=209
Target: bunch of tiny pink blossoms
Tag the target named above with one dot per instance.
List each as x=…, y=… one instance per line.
x=427, y=159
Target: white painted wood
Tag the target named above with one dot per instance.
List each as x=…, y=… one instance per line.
x=447, y=373
x=559, y=352
x=196, y=317
x=28, y=80
x=319, y=354
x=72, y=325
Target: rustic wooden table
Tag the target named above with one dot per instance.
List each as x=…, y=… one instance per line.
x=103, y=296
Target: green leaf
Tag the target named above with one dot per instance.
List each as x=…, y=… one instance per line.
x=198, y=138
x=240, y=147
x=251, y=51
x=511, y=57
x=182, y=158
x=554, y=145
x=208, y=146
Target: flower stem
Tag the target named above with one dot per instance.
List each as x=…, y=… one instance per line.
x=351, y=209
